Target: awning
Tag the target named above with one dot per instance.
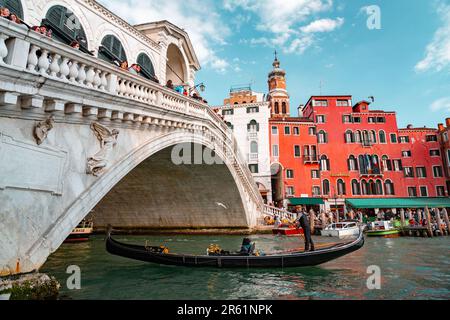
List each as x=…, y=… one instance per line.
x=391, y=203
x=306, y=201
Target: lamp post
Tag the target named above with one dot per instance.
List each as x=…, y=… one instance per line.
x=200, y=85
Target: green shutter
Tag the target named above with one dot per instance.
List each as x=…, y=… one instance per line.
x=14, y=6
x=146, y=64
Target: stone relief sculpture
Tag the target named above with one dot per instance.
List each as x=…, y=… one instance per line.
x=42, y=128
x=108, y=140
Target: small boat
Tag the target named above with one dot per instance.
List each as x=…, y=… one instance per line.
x=287, y=230
x=341, y=230
x=81, y=232
x=161, y=255
x=383, y=229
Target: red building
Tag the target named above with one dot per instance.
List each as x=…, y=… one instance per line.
x=336, y=150
x=444, y=134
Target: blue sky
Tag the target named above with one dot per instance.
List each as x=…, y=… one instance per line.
x=405, y=65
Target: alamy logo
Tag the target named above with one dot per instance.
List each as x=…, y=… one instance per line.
x=374, y=280
x=74, y=280
x=188, y=154
x=374, y=17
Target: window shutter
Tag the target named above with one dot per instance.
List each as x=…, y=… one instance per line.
x=14, y=6
x=146, y=65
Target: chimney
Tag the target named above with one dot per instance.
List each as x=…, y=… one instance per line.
x=447, y=122
x=410, y=126
x=300, y=110
x=441, y=127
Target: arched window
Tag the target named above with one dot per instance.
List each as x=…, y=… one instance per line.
x=358, y=137
x=376, y=166
x=65, y=26
x=373, y=136
x=372, y=188
x=326, y=187
x=382, y=136
x=363, y=164
x=146, y=64
x=324, y=163
x=253, y=126
x=253, y=147
x=277, y=108
x=364, y=187
x=349, y=138
x=387, y=164
x=356, y=188
x=389, y=188
x=283, y=108
x=229, y=125
x=379, y=187
x=341, y=187
x=14, y=6
x=322, y=137
x=111, y=50
x=352, y=163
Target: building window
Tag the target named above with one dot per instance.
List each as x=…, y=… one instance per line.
x=397, y=165
x=431, y=138
x=253, y=126
x=387, y=164
x=371, y=120
x=403, y=139
x=326, y=187
x=342, y=103
x=230, y=125
x=287, y=130
x=448, y=157
x=389, y=188
x=283, y=108
x=356, y=119
x=290, y=191
x=412, y=192
x=321, y=103
x=252, y=109
x=111, y=50
x=409, y=172
x=346, y=119
x=381, y=120
x=312, y=131
x=227, y=112
x=349, y=138
x=315, y=174
x=253, y=168
x=320, y=119
x=297, y=151
x=382, y=135
x=274, y=130
x=324, y=163
x=147, y=69
x=393, y=138
x=435, y=153
x=322, y=137
x=296, y=131
x=423, y=191
x=379, y=187
x=275, y=150
x=356, y=188
x=421, y=172
x=315, y=191
x=437, y=172
x=290, y=174
x=352, y=163
x=357, y=137
x=440, y=191
x=341, y=187
x=406, y=154
x=277, y=108
x=253, y=147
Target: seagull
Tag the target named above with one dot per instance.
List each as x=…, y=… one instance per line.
x=221, y=205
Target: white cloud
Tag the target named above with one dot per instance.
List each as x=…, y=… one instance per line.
x=300, y=45
x=437, y=55
x=441, y=104
x=323, y=25
x=199, y=18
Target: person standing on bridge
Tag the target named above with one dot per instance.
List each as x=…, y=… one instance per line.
x=303, y=222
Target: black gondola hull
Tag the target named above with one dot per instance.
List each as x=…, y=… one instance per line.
x=298, y=259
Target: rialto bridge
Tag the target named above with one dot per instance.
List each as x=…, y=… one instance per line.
x=78, y=134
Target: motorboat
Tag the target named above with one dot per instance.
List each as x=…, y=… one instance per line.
x=341, y=230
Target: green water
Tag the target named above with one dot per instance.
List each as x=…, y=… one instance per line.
x=411, y=268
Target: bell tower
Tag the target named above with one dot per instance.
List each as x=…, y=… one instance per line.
x=278, y=95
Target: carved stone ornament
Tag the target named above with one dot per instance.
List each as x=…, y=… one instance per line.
x=108, y=140
x=42, y=128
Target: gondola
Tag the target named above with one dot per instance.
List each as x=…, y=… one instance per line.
x=282, y=260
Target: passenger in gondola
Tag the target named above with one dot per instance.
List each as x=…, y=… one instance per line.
x=247, y=247
x=303, y=222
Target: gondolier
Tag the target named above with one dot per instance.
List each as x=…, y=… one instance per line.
x=304, y=224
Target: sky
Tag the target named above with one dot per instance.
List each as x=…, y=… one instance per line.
x=395, y=50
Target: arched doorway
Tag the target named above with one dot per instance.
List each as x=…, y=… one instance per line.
x=176, y=70
x=111, y=50
x=276, y=171
x=66, y=26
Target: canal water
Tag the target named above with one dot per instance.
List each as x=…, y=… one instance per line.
x=411, y=268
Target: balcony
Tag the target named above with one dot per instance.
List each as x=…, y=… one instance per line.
x=371, y=174
x=310, y=159
x=252, y=135
x=252, y=157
